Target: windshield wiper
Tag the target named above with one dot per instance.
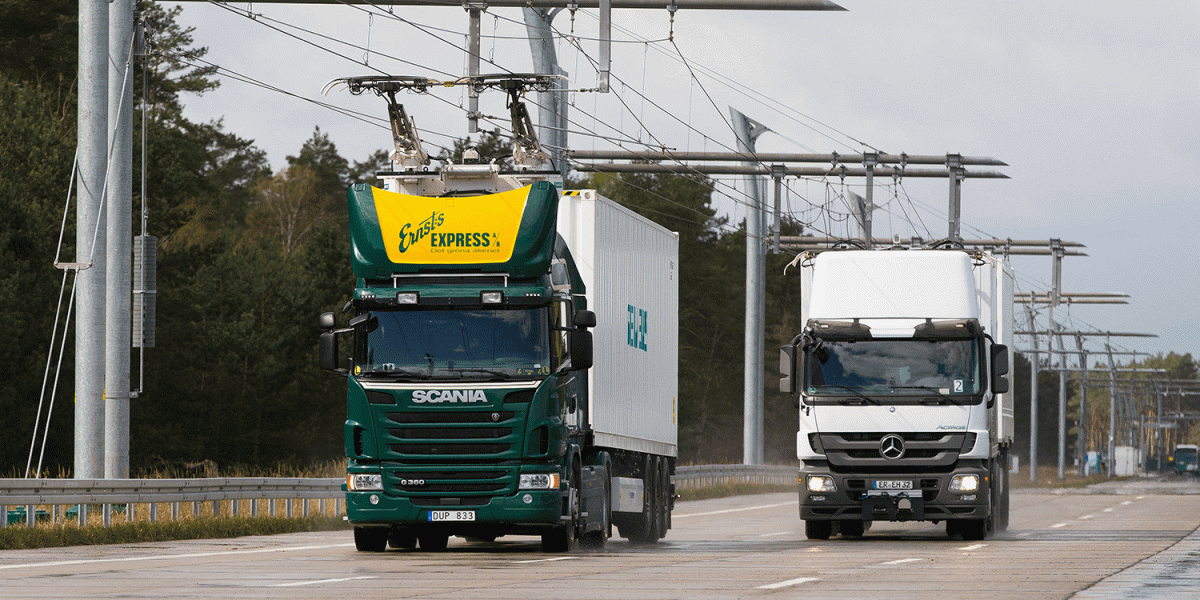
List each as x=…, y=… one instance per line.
x=500, y=374
x=865, y=398
x=422, y=374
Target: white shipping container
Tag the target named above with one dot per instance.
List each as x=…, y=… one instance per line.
x=630, y=269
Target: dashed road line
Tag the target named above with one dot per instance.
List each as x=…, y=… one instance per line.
x=89, y=561
x=901, y=561
x=734, y=510
x=788, y=583
x=319, y=581
x=973, y=547
x=542, y=560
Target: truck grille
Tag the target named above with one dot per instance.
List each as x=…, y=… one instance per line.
x=851, y=451
x=449, y=482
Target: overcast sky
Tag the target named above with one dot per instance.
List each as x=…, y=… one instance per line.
x=1094, y=105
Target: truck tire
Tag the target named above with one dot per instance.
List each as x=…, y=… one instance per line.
x=371, y=539
x=642, y=529
x=402, y=540
x=818, y=530
x=1001, y=477
x=971, y=530
x=433, y=542
x=562, y=538
x=852, y=528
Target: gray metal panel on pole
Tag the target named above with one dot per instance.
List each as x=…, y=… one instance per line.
x=90, y=239
x=752, y=425
x=120, y=241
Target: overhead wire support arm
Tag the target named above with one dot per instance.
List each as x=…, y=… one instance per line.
x=785, y=5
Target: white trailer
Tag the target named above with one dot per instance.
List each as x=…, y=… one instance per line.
x=630, y=269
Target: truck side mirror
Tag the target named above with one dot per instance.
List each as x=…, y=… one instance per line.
x=999, y=368
x=787, y=364
x=327, y=321
x=585, y=319
x=791, y=367
x=581, y=350
x=329, y=351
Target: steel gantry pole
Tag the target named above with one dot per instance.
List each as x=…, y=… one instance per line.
x=91, y=239
x=747, y=131
x=118, y=293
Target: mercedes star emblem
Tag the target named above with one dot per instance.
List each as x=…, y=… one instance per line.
x=891, y=446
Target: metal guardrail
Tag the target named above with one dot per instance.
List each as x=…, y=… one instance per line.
x=703, y=476
x=24, y=495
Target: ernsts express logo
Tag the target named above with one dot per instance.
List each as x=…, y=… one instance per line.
x=422, y=230
x=451, y=396
x=410, y=237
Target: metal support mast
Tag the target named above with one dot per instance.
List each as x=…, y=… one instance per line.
x=120, y=241
x=748, y=130
x=91, y=239
x=552, y=103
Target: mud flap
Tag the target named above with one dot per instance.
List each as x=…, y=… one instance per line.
x=593, y=497
x=914, y=507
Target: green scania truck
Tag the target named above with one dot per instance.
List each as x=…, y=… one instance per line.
x=514, y=365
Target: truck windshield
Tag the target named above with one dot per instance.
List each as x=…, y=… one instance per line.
x=454, y=344
x=903, y=367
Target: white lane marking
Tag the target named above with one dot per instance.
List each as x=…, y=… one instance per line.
x=733, y=510
x=1125, y=503
x=974, y=547
x=774, y=534
x=901, y=561
x=1108, y=510
x=788, y=583
x=1022, y=535
x=1084, y=517
x=62, y=563
x=542, y=560
x=323, y=581
x=1140, y=498
x=1058, y=525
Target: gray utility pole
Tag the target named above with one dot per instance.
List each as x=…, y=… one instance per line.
x=748, y=130
x=117, y=339
x=552, y=104
x=1057, y=248
x=91, y=239
x=1033, y=403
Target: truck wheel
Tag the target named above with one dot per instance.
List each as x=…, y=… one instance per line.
x=402, y=540
x=1002, y=485
x=664, y=497
x=818, y=530
x=643, y=528
x=433, y=542
x=970, y=529
x=562, y=538
x=371, y=539
x=853, y=528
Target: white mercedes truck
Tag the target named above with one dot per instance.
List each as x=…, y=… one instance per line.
x=900, y=378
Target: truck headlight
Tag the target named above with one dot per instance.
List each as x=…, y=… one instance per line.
x=357, y=482
x=964, y=483
x=821, y=483
x=539, y=481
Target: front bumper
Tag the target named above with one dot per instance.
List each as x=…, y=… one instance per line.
x=499, y=515
x=930, y=498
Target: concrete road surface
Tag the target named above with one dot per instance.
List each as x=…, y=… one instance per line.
x=1129, y=540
